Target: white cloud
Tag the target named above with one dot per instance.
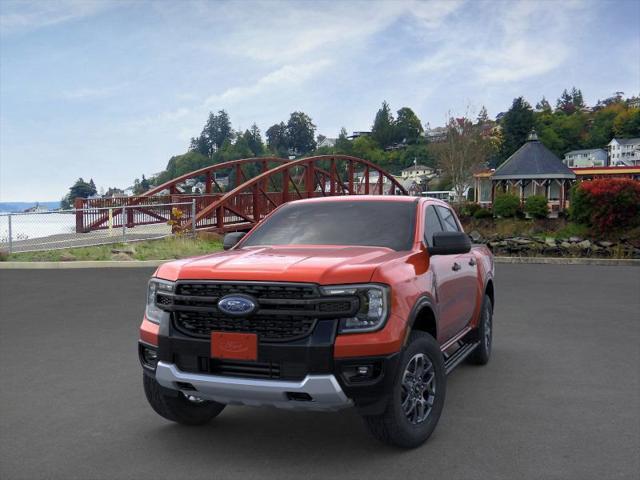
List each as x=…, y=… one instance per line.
x=285, y=77
x=526, y=40
x=21, y=16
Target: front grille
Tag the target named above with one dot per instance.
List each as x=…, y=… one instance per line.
x=257, y=290
x=268, y=327
x=285, y=311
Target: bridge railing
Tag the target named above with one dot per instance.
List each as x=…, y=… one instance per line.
x=103, y=213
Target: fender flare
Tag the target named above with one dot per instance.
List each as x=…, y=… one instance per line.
x=422, y=302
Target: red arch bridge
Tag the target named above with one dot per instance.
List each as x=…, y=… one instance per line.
x=253, y=187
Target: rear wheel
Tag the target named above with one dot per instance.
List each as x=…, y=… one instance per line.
x=187, y=410
x=482, y=353
x=417, y=398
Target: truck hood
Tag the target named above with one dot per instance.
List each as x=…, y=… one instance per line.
x=315, y=264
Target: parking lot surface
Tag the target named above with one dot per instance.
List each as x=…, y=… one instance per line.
x=559, y=399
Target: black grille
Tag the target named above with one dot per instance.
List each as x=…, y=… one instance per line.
x=268, y=327
x=259, y=291
x=240, y=369
x=285, y=311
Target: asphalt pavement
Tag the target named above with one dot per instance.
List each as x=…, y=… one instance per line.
x=560, y=399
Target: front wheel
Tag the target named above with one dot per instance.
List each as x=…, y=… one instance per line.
x=418, y=395
x=482, y=353
x=180, y=408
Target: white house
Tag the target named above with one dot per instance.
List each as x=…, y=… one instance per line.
x=417, y=172
x=594, y=157
x=327, y=142
x=624, y=152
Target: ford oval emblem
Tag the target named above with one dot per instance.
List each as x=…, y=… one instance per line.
x=236, y=305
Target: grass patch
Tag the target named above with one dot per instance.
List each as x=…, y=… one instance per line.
x=163, y=249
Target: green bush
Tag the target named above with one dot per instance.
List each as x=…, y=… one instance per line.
x=536, y=206
x=483, y=213
x=467, y=209
x=506, y=205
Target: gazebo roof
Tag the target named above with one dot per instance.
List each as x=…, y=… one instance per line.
x=533, y=160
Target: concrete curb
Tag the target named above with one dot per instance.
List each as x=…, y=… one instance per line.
x=613, y=262
x=82, y=264
x=155, y=263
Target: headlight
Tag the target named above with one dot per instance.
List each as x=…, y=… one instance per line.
x=374, y=306
x=153, y=312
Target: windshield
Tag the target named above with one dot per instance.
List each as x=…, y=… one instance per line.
x=364, y=223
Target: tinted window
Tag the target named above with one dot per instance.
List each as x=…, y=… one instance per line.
x=368, y=223
x=431, y=225
x=448, y=220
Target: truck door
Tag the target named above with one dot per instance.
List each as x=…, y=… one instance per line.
x=464, y=276
x=446, y=285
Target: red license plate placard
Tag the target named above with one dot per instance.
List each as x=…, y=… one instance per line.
x=235, y=346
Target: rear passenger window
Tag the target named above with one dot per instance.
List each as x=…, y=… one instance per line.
x=448, y=220
x=431, y=225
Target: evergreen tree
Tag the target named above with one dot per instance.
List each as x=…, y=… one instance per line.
x=216, y=131
x=565, y=103
x=382, y=130
x=543, y=106
x=343, y=144
x=483, y=116
x=517, y=123
x=576, y=99
x=253, y=139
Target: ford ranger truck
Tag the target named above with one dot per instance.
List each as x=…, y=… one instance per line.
x=328, y=303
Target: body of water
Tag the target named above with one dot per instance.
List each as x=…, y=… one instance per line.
x=28, y=226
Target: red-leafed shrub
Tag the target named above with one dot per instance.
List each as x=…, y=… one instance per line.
x=607, y=204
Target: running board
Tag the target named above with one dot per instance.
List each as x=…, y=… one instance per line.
x=456, y=358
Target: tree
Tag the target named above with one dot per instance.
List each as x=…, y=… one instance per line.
x=277, y=139
x=543, y=106
x=80, y=189
x=343, y=144
x=141, y=186
x=301, y=133
x=576, y=99
x=253, y=138
x=408, y=126
x=517, y=123
x=200, y=145
x=463, y=151
x=627, y=124
x=181, y=164
x=483, y=116
x=216, y=131
x=565, y=102
x=382, y=130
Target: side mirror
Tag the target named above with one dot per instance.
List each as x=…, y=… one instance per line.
x=450, y=243
x=231, y=239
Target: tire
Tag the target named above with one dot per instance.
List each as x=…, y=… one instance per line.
x=482, y=353
x=179, y=408
x=408, y=430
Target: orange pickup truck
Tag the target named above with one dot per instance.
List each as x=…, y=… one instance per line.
x=328, y=303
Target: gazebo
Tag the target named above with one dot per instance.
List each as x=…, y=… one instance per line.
x=532, y=170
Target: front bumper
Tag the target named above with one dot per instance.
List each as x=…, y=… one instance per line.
x=314, y=392
x=300, y=374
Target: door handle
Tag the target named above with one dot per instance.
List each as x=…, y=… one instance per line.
x=456, y=267
x=472, y=262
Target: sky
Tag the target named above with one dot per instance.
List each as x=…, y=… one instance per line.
x=110, y=90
